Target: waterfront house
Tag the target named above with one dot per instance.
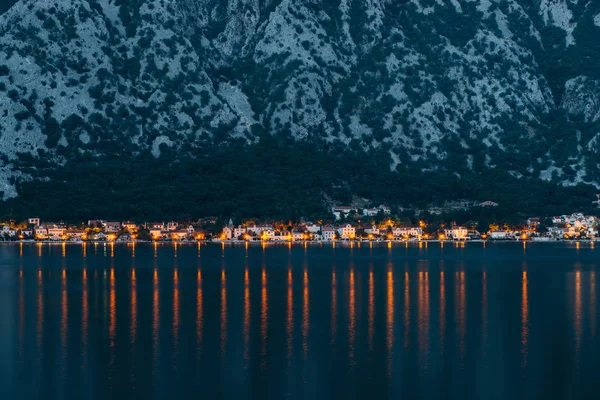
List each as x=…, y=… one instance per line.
x=125, y=237
x=172, y=226
x=179, y=234
x=459, y=233
x=56, y=232
x=407, y=232
x=26, y=232
x=112, y=227
x=76, y=234
x=7, y=231
x=328, y=233
x=154, y=225
x=156, y=233
x=41, y=232
x=281, y=236
x=313, y=228
x=347, y=231
x=227, y=233
x=239, y=231
x=571, y=232
x=499, y=235
x=373, y=230
x=268, y=234
x=555, y=232
x=299, y=235
x=33, y=221
x=129, y=226
x=199, y=234
x=258, y=229
x=473, y=235
x=533, y=223
x=98, y=236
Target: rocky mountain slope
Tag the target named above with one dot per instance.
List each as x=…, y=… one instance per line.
x=459, y=85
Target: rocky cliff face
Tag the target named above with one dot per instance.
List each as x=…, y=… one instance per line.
x=459, y=85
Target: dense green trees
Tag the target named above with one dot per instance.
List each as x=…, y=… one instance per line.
x=275, y=178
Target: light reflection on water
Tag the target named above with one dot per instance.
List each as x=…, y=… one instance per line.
x=524, y=317
x=135, y=319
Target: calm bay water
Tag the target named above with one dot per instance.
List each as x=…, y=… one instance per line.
x=148, y=321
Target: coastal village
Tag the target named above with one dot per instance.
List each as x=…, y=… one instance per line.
x=347, y=223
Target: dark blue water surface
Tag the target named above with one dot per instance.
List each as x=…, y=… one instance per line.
x=211, y=321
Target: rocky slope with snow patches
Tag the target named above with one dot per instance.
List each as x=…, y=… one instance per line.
x=460, y=85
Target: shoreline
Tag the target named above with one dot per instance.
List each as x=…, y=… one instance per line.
x=287, y=242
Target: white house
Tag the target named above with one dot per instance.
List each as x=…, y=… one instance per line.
x=239, y=231
x=172, y=226
x=296, y=235
x=112, y=227
x=94, y=223
x=56, y=232
x=99, y=236
x=258, y=229
x=339, y=211
x=267, y=234
x=7, y=231
x=532, y=223
x=370, y=212
x=328, y=233
x=156, y=232
x=129, y=226
x=41, y=232
x=76, y=234
x=33, y=221
x=347, y=231
x=414, y=231
x=495, y=235
x=27, y=232
x=179, y=234
x=556, y=231
x=385, y=209
x=572, y=232
x=373, y=230
x=459, y=233
x=313, y=228
x=227, y=233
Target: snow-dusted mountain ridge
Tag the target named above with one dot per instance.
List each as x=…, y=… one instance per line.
x=462, y=84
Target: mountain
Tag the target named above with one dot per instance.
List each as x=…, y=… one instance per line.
x=464, y=90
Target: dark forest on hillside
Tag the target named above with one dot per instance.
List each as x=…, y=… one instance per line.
x=273, y=179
